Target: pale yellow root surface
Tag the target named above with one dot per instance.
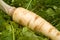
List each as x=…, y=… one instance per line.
x=35, y=22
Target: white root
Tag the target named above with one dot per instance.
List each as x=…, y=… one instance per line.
x=35, y=22
x=31, y=20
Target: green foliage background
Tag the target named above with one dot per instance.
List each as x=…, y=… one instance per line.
x=48, y=9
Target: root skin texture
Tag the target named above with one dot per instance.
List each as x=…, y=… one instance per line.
x=35, y=22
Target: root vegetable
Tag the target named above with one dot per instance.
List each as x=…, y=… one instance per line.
x=35, y=22
x=31, y=20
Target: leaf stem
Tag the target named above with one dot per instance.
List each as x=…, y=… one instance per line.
x=29, y=4
x=13, y=33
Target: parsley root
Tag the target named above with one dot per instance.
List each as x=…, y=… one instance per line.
x=31, y=20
